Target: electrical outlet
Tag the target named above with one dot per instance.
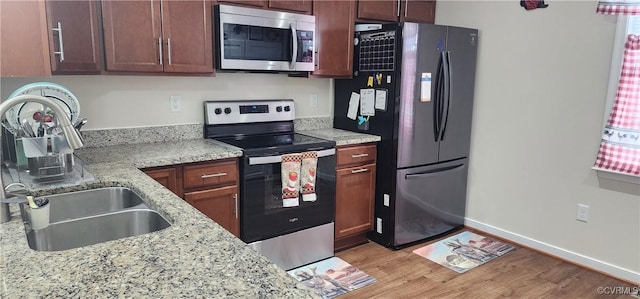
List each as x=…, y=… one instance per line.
x=313, y=100
x=583, y=213
x=176, y=103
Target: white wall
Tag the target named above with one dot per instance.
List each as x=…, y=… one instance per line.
x=140, y=101
x=540, y=93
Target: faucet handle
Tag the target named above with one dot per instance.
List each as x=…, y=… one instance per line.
x=22, y=192
x=9, y=186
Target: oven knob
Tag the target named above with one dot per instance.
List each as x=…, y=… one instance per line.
x=287, y=108
x=279, y=108
x=218, y=111
x=227, y=110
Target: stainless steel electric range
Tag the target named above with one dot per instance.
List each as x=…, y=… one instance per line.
x=290, y=236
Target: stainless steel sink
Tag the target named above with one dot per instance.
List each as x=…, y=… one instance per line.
x=91, y=202
x=94, y=216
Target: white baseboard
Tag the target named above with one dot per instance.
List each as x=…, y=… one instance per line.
x=577, y=258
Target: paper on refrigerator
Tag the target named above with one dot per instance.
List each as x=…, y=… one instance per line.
x=425, y=87
x=381, y=99
x=367, y=102
x=354, y=102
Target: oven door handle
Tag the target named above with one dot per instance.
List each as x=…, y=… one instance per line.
x=278, y=158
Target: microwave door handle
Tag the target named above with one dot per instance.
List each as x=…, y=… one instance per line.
x=278, y=158
x=294, y=50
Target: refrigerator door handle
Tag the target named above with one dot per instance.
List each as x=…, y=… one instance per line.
x=437, y=95
x=432, y=172
x=447, y=93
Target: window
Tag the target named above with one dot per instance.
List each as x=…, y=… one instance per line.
x=626, y=25
x=620, y=149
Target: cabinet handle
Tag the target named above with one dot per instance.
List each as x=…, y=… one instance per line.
x=406, y=7
x=317, y=58
x=169, y=49
x=359, y=170
x=160, y=49
x=235, y=211
x=206, y=176
x=398, y=14
x=60, y=44
x=359, y=155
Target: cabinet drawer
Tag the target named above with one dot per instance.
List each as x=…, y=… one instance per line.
x=210, y=174
x=353, y=155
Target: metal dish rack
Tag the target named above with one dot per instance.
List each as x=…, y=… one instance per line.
x=38, y=160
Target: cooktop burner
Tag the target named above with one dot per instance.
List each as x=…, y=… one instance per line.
x=277, y=143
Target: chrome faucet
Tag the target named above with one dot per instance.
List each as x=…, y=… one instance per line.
x=70, y=133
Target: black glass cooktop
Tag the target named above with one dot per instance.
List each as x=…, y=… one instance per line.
x=277, y=143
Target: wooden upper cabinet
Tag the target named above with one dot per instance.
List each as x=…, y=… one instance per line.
x=24, y=48
x=132, y=35
x=186, y=29
x=382, y=10
x=303, y=6
x=334, y=37
x=74, y=38
x=157, y=36
x=256, y=3
x=421, y=11
x=300, y=6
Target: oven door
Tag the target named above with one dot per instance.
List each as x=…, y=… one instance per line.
x=253, y=39
x=262, y=214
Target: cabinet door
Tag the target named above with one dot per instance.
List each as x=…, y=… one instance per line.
x=419, y=11
x=220, y=204
x=73, y=36
x=381, y=10
x=24, y=49
x=258, y=3
x=166, y=177
x=186, y=30
x=132, y=35
x=334, y=24
x=355, y=191
x=295, y=5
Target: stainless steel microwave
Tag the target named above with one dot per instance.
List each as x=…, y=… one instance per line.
x=263, y=40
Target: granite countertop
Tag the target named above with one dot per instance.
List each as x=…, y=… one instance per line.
x=341, y=137
x=195, y=257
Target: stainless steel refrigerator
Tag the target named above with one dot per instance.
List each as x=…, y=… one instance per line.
x=413, y=86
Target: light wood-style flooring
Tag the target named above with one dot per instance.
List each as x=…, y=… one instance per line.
x=523, y=273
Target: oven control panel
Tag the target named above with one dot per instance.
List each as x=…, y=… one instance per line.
x=248, y=111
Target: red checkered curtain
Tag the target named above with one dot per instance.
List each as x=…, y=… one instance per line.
x=619, y=7
x=620, y=144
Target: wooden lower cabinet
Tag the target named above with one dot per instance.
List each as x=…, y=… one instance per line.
x=355, y=193
x=211, y=187
x=166, y=176
x=220, y=204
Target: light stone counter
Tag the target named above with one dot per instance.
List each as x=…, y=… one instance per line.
x=341, y=137
x=194, y=258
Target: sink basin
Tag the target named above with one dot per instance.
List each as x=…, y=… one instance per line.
x=91, y=202
x=96, y=229
x=94, y=216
